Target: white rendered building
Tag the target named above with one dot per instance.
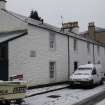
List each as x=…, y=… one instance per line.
x=42, y=53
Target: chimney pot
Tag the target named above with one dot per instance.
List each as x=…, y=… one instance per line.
x=91, y=24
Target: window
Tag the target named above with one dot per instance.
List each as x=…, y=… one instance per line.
x=104, y=49
x=52, y=40
x=88, y=47
x=98, y=62
x=89, y=62
x=98, y=50
x=32, y=53
x=75, y=44
x=52, y=69
x=75, y=66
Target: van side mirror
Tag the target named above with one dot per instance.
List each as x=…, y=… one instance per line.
x=94, y=71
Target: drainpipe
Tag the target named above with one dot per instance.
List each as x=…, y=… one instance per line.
x=68, y=58
x=94, y=38
x=91, y=31
x=93, y=54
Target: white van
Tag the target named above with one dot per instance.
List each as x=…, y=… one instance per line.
x=88, y=74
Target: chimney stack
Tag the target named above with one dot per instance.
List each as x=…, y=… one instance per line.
x=91, y=30
x=2, y=4
x=71, y=27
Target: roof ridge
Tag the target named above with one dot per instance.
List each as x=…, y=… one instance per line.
x=14, y=31
x=13, y=14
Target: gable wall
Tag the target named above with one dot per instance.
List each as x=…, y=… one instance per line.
x=10, y=23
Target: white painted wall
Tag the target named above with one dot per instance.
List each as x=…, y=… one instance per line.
x=82, y=56
x=36, y=69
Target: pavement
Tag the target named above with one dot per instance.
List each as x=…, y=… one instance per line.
x=65, y=96
x=37, y=91
x=101, y=102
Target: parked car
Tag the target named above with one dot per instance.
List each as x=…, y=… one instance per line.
x=87, y=75
x=12, y=92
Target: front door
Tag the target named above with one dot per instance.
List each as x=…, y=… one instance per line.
x=4, y=71
x=4, y=61
x=75, y=66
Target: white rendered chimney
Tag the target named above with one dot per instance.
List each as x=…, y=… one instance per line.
x=71, y=27
x=91, y=30
x=2, y=4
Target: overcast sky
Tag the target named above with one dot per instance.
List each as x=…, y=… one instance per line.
x=83, y=11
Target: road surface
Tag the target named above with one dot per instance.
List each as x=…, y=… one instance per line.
x=66, y=96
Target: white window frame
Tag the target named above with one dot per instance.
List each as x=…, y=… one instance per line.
x=98, y=49
x=52, y=69
x=32, y=53
x=88, y=47
x=104, y=50
x=75, y=45
x=52, y=40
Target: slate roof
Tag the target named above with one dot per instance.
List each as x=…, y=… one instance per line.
x=31, y=21
x=97, y=29
x=48, y=26
x=11, y=35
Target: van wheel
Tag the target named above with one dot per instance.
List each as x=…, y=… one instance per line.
x=71, y=85
x=101, y=82
x=92, y=84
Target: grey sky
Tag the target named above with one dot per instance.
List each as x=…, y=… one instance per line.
x=83, y=11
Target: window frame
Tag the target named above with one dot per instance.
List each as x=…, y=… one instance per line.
x=75, y=45
x=88, y=47
x=52, y=69
x=52, y=40
x=98, y=49
x=32, y=53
